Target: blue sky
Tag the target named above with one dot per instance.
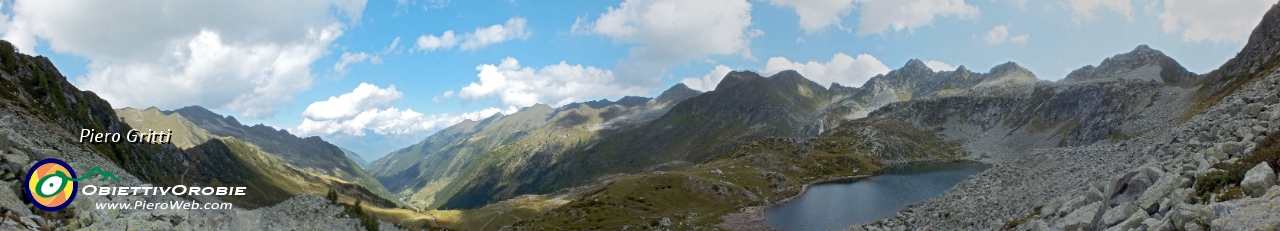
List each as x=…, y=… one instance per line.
x=281, y=63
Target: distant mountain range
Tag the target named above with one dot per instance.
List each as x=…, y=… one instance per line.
x=541, y=149
x=354, y=157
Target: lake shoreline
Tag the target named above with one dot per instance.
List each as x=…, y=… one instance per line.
x=752, y=217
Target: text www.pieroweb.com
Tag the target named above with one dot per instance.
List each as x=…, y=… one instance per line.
x=188, y=205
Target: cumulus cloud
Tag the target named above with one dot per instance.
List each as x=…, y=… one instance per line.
x=257, y=54
x=1000, y=34
x=1083, y=9
x=349, y=58
x=368, y=108
x=364, y=97
x=879, y=16
x=1213, y=21
x=842, y=68
x=939, y=65
x=670, y=32
x=709, y=81
x=555, y=84
x=514, y=28
x=817, y=14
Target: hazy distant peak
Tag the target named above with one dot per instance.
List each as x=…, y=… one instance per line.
x=200, y=115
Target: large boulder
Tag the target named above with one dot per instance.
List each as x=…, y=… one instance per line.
x=1119, y=213
x=1151, y=198
x=1249, y=214
x=1083, y=218
x=1258, y=179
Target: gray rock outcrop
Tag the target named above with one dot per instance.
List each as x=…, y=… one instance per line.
x=1258, y=179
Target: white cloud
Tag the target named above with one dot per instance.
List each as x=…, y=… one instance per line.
x=441, y=98
x=997, y=35
x=349, y=58
x=556, y=84
x=817, y=14
x=364, y=97
x=1000, y=34
x=1216, y=21
x=842, y=68
x=483, y=37
x=169, y=53
x=1083, y=9
x=939, y=65
x=394, y=47
x=392, y=121
x=674, y=31
x=432, y=42
x=879, y=16
x=514, y=28
x=709, y=81
x=368, y=108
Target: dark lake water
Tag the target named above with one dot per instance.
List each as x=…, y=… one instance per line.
x=837, y=205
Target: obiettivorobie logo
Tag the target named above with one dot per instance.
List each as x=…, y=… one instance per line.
x=52, y=183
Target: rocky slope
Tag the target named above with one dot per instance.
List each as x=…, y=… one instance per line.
x=1214, y=170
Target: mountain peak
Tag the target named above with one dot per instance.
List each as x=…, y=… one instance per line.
x=916, y=64
x=1008, y=67
x=677, y=93
x=788, y=76
x=1009, y=72
x=735, y=77
x=1120, y=65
